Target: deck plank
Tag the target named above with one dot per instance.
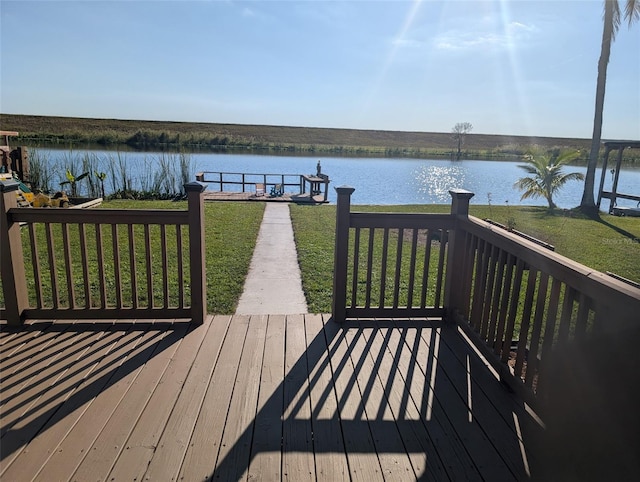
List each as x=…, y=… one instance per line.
x=235, y=449
x=202, y=453
x=328, y=443
x=505, y=404
x=422, y=451
x=461, y=375
x=112, y=440
x=452, y=406
x=28, y=409
x=374, y=409
x=172, y=446
x=143, y=441
x=418, y=367
x=62, y=408
x=97, y=400
x=266, y=450
x=18, y=366
x=266, y=397
x=297, y=459
x=361, y=455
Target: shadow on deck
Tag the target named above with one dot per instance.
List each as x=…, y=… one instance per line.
x=271, y=397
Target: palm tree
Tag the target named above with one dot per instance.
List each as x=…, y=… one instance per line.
x=611, y=24
x=546, y=175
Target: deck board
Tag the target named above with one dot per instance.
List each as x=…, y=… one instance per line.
x=61, y=420
x=262, y=397
x=202, y=454
x=328, y=443
x=266, y=451
x=112, y=441
x=96, y=400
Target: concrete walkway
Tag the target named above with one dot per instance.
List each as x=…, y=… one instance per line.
x=273, y=285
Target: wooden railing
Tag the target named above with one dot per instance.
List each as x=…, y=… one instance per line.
x=389, y=264
x=517, y=300
x=102, y=263
x=246, y=182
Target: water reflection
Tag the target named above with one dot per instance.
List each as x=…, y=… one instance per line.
x=434, y=182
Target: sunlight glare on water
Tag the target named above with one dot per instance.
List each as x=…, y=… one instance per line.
x=435, y=182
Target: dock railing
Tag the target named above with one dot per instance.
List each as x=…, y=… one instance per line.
x=102, y=263
x=246, y=182
x=516, y=300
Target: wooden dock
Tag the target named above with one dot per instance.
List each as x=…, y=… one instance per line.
x=264, y=397
x=305, y=198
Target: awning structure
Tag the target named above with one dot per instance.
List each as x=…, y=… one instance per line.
x=612, y=195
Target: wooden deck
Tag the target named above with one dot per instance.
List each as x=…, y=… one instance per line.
x=261, y=397
x=250, y=196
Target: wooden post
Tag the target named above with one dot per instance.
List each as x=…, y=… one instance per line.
x=603, y=174
x=14, y=282
x=616, y=176
x=21, y=163
x=341, y=254
x=195, y=201
x=454, y=283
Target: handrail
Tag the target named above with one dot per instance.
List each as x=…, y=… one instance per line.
x=518, y=301
x=521, y=302
x=103, y=263
x=390, y=264
x=222, y=179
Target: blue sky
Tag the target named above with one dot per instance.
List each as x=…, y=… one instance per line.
x=508, y=67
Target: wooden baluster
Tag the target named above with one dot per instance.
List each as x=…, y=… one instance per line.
x=66, y=245
x=367, y=302
x=35, y=262
x=355, y=268
x=383, y=268
x=117, y=275
x=180, y=260
x=412, y=267
x=427, y=265
x=85, y=265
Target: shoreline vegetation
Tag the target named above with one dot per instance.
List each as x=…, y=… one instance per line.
x=49, y=131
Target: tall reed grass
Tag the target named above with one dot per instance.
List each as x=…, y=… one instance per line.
x=156, y=177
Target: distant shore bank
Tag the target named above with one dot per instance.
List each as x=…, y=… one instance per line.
x=164, y=135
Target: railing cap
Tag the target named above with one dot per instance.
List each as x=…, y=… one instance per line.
x=461, y=194
x=8, y=185
x=345, y=189
x=195, y=186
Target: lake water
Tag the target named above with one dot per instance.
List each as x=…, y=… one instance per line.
x=377, y=180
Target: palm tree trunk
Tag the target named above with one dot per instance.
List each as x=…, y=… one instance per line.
x=588, y=201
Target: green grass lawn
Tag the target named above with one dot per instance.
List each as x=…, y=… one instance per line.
x=231, y=230
x=608, y=244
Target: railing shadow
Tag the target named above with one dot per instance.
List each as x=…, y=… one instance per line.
x=69, y=366
x=404, y=400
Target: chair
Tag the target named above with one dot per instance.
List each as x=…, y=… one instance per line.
x=277, y=190
x=259, y=189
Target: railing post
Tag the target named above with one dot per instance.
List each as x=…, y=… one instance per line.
x=14, y=281
x=454, y=283
x=195, y=202
x=341, y=254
